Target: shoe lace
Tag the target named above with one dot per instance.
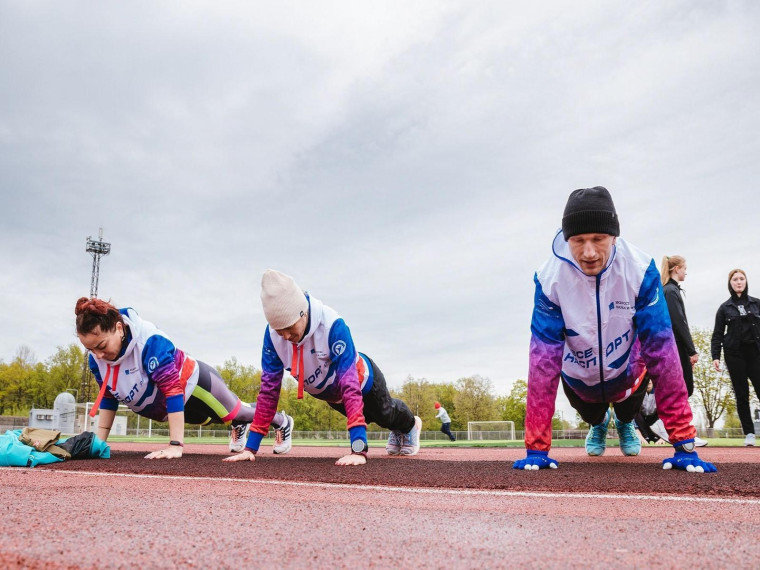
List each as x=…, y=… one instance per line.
x=394, y=438
x=282, y=433
x=598, y=434
x=238, y=432
x=627, y=432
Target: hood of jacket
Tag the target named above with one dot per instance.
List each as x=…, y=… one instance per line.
x=561, y=250
x=316, y=317
x=135, y=324
x=745, y=293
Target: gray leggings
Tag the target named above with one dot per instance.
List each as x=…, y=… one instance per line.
x=212, y=402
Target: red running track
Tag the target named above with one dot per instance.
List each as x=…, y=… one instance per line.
x=445, y=508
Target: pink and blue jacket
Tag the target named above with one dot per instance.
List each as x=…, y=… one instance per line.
x=326, y=364
x=599, y=333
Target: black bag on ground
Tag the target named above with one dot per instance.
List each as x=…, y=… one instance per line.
x=79, y=446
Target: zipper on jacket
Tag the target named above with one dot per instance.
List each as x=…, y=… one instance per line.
x=599, y=337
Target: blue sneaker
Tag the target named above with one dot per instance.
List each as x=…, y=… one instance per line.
x=596, y=440
x=630, y=444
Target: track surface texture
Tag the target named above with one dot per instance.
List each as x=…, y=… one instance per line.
x=445, y=508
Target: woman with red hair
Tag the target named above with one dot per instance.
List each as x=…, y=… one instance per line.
x=136, y=364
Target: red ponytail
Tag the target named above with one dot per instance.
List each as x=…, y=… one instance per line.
x=92, y=313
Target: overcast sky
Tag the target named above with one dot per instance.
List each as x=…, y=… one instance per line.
x=406, y=162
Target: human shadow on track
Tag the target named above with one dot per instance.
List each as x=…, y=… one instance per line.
x=732, y=479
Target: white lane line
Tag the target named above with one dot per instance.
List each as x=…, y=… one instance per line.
x=417, y=490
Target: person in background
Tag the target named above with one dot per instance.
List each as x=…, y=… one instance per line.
x=737, y=333
x=311, y=340
x=136, y=364
x=445, y=420
x=672, y=274
x=648, y=423
x=599, y=319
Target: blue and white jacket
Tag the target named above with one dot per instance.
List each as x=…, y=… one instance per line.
x=601, y=332
x=327, y=361
x=151, y=376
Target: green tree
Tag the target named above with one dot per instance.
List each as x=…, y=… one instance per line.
x=512, y=407
x=420, y=395
x=16, y=379
x=62, y=372
x=712, y=389
x=243, y=381
x=474, y=400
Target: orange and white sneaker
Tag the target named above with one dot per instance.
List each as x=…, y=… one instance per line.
x=283, y=436
x=238, y=437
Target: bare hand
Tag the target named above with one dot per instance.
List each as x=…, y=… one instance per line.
x=244, y=455
x=352, y=459
x=716, y=364
x=694, y=359
x=171, y=452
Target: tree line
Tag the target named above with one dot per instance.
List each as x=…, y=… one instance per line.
x=26, y=383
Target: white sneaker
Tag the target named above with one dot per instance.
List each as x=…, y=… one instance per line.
x=238, y=437
x=283, y=436
x=750, y=440
x=410, y=442
x=699, y=442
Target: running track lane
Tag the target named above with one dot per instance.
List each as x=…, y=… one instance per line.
x=54, y=518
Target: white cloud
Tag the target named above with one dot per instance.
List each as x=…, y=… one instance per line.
x=406, y=162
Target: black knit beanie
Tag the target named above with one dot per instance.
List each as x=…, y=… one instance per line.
x=590, y=211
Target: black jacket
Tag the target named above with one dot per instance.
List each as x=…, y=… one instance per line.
x=728, y=324
x=678, y=316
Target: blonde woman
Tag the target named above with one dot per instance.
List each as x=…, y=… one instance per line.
x=672, y=274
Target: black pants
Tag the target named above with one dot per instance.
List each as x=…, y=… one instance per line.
x=446, y=428
x=688, y=373
x=380, y=408
x=643, y=422
x=743, y=364
x=593, y=412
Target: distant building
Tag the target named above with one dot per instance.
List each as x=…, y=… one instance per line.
x=61, y=418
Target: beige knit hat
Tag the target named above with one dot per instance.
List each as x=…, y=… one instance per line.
x=284, y=302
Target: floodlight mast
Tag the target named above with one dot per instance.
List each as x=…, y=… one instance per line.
x=97, y=249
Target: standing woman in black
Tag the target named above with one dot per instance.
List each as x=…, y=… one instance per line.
x=737, y=331
x=672, y=274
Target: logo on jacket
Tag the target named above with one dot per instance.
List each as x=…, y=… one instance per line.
x=339, y=347
x=152, y=363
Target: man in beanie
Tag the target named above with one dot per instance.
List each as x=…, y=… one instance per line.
x=443, y=415
x=312, y=341
x=599, y=320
